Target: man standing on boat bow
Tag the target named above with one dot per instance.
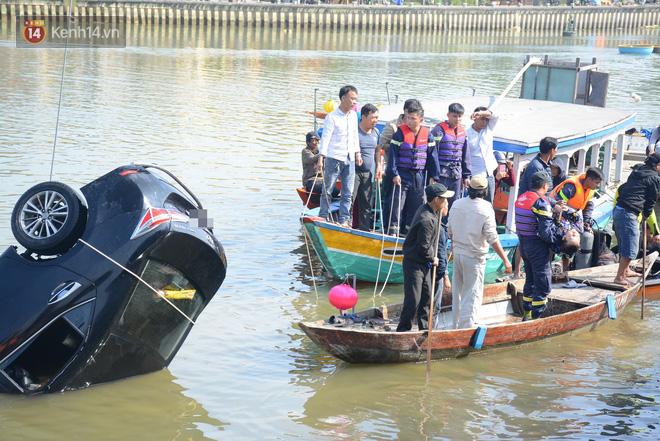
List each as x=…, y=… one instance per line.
x=339, y=145
x=419, y=258
x=634, y=199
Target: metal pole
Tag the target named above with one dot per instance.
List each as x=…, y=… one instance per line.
x=387, y=87
x=315, y=89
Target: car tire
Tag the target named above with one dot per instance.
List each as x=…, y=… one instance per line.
x=49, y=218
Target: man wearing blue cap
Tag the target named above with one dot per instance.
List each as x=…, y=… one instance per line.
x=419, y=256
x=536, y=233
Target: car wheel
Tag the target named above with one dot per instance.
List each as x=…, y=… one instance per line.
x=49, y=218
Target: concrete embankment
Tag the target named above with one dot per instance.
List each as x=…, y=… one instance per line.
x=346, y=17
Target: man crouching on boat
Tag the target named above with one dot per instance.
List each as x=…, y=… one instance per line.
x=419, y=257
x=536, y=233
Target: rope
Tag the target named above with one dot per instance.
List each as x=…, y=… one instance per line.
x=311, y=266
x=325, y=193
x=158, y=293
x=396, y=243
x=309, y=255
x=59, y=103
x=309, y=197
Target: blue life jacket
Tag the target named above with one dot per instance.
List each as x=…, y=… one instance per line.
x=450, y=146
x=526, y=220
x=413, y=151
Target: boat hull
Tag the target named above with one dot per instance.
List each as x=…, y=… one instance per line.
x=373, y=345
x=643, y=49
x=373, y=257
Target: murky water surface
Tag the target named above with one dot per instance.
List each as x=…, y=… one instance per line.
x=225, y=111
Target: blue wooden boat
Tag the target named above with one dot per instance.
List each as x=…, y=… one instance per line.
x=639, y=49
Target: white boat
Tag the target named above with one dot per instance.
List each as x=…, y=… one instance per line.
x=524, y=122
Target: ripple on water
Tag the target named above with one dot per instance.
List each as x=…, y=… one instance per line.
x=225, y=110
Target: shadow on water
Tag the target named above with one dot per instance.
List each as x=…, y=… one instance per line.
x=153, y=405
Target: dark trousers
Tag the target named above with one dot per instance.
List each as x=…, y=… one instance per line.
x=538, y=274
x=451, y=177
x=404, y=208
x=417, y=295
x=386, y=198
x=362, y=191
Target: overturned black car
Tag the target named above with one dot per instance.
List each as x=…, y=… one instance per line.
x=110, y=284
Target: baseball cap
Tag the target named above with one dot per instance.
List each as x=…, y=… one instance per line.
x=312, y=135
x=437, y=190
x=478, y=182
x=500, y=157
x=540, y=178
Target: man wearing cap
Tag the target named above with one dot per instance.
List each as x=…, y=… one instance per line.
x=635, y=198
x=419, y=257
x=536, y=234
x=480, y=142
x=310, y=156
x=471, y=227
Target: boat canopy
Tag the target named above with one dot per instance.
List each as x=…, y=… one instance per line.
x=523, y=123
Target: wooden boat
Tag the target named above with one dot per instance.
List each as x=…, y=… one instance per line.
x=315, y=198
x=639, y=49
x=500, y=326
x=373, y=256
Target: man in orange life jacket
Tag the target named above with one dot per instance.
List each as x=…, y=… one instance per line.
x=454, y=168
x=536, y=233
x=411, y=159
x=578, y=191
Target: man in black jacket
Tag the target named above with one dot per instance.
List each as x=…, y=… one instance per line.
x=636, y=198
x=419, y=256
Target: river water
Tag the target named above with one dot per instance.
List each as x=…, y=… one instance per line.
x=224, y=109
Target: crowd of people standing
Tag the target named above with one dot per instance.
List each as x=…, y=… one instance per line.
x=439, y=165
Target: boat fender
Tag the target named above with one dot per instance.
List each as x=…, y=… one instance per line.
x=611, y=307
x=583, y=258
x=479, y=335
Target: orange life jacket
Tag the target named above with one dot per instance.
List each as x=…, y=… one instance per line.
x=582, y=195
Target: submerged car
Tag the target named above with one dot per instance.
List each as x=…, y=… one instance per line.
x=110, y=283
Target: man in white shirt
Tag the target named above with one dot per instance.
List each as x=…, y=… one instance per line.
x=480, y=141
x=340, y=150
x=471, y=228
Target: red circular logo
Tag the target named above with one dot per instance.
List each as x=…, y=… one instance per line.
x=34, y=34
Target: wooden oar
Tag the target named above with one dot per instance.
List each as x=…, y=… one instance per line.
x=434, y=269
x=644, y=270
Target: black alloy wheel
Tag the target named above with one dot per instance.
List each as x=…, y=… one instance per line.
x=49, y=218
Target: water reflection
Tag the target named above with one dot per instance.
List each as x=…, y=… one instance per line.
x=153, y=405
x=225, y=110
x=553, y=389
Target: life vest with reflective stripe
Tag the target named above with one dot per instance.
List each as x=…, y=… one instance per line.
x=582, y=195
x=413, y=151
x=526, y=220
x=450, y=146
